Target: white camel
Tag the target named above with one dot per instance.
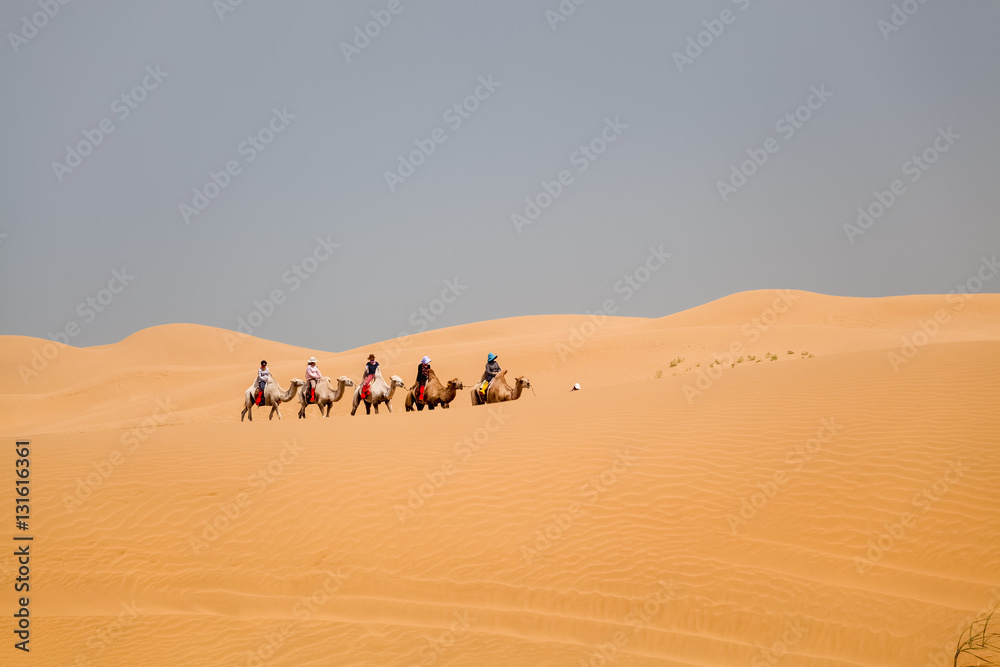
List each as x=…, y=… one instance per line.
x=380, y=390
x=326, y=395
x=274, y=395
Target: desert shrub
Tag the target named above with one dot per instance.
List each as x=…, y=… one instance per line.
x=979, y=644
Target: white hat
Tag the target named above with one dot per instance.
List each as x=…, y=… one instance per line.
x=425, y=360
x=312, y=360
x=576, y=387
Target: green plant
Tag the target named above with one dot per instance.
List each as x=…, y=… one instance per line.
x=674, y=362
x=980, y=641
x=790, y=352
x=658, y=375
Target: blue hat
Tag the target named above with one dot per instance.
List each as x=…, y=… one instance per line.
x=490, y=356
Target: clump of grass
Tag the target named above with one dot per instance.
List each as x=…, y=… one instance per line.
x=980, y=641
x=751, y=357
x=674, y=362
x=772, y=357
x=658, y=375
x=740, y=360
x=791, y=352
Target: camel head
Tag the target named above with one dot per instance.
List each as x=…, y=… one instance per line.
x=456, y=383
x=348, y=382
x=524, y=381
x=297, y=382
x=398, y=381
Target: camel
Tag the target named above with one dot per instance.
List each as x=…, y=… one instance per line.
x=500, y=391
x=435, y=394
x=326, y=395
x=381, y=392
x=274, y=395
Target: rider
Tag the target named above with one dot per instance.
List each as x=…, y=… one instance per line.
x=312, y=377
x=423, y=374
x=263, y=375
x=492, y=370
x=369, y=375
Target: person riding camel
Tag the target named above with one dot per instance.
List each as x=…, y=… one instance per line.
x=492, y=370
x=312, y=377
x=369, y=375
x=263, y=375
x=423, y=374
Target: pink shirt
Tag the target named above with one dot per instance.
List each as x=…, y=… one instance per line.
x=312, y=373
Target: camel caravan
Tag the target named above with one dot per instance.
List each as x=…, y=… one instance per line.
x=427, y=390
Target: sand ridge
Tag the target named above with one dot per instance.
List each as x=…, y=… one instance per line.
x=830, y=506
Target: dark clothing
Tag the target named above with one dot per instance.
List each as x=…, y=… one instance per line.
x=423, y=374
x=370, y=367
x=492, y=369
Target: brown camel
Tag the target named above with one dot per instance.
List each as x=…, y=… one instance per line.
x=434, y=394
x=274, y=395
x=500, y=391
x=326, y=394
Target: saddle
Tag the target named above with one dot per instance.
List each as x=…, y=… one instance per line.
x=311, y=397
x=366, y=390
x=483, y=388
x=258, y=398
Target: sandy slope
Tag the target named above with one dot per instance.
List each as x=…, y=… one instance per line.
x=837, y=506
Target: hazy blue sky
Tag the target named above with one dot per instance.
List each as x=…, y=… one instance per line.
x=115, y=114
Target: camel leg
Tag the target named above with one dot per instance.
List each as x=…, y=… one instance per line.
x=328, y=406
x=388, y=406
x=246, y=408
x=302, y=412
x=356, y=404
x=376, y=408
x=368, y=408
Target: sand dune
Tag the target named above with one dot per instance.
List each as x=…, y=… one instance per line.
x=774, y=478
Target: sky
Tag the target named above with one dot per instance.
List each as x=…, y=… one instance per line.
x=331, y=175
